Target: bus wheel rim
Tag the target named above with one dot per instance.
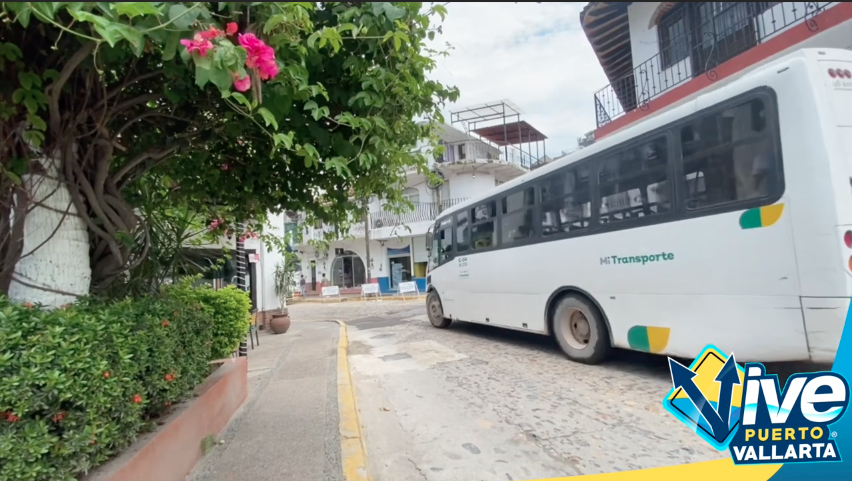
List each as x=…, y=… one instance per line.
x=576, y=329
x=434, y=310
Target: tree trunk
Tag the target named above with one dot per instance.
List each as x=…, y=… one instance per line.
x=367, y=237
x=54, y=268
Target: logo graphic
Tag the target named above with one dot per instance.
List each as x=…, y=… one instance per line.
x=743, y=409
x=663, y=256
x=707, y=395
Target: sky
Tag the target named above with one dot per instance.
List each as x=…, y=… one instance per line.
x=535, y=55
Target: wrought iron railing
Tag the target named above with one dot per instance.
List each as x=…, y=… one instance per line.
x=730, y=29
x=423, y=211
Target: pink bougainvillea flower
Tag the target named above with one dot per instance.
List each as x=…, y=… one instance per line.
x=211, y=33
x=197, y=44
x=225, y=167
x=242, y=84
x=261, y=57
x=231, y=28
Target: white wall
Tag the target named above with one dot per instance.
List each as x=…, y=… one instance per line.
x=466, y=185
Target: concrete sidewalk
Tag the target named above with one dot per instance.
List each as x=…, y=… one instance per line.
x=288, y=429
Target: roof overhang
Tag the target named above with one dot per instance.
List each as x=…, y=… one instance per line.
x=606, y=26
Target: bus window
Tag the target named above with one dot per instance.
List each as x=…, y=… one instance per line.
x=483, y=233
x=462, y=232
x=443, y=245
x=566, y=202
x=633, y=182
x=732, y=153
x=517, y=221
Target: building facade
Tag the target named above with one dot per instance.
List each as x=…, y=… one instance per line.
x=660, y=54
x=471, y=164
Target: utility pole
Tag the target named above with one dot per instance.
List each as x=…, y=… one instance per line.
x=367, y=239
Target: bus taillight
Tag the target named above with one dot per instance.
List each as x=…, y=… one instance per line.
x=847, y=239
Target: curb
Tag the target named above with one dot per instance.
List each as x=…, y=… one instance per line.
x=352, y=450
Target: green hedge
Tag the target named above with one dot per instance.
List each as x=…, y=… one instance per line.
x=79, y=383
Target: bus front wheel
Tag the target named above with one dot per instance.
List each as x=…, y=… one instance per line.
x=580, y=330
x=435, y=310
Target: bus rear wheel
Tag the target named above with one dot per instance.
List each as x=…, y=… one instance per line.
x=580, y=330
x=435, y=310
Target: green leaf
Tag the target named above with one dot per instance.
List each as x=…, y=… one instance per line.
x=310, y=105
x=170, y=49
x=50, y=74
x=273, y=22
x=204, y=62
x=18, y=96
x=34, y=137
x=25, y=80
x=392, y=11
x=36, y=122
x=242, y=99
x=202, y=76
x=268, y=117
x=31, y=105
x=286, y=140
x=12, y=52
x=97, y=20
x=133, y=9
x=181, y=17
x=22, y=10
x=43, y=9
x=221, y=78
x=13, y=176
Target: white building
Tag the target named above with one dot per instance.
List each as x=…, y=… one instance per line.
x=498, y=148
x=660, y=54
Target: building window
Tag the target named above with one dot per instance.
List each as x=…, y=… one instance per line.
x=517, y=220
x=672, y=33
x=566, y=201
x=461, y=150
x=632, y=182
x=483, y=232
x=412, y=195
x=728, y=156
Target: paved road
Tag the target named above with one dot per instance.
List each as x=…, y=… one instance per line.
x=478, y=403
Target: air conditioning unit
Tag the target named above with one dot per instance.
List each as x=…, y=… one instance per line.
x=379, y=224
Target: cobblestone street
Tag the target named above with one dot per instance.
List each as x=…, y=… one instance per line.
x=475, y=402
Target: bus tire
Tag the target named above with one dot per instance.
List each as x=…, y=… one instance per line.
x=435, y=311
x=580, y=330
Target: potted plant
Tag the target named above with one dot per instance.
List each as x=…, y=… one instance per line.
x=284, y=287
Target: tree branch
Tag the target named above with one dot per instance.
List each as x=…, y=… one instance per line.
x=55, y=88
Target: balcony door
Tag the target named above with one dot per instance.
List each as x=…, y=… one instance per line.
x=723, y=31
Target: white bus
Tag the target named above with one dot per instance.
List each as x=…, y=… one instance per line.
x=724, y=220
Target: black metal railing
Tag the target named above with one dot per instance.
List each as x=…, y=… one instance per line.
x=423, y=211
x=725, y=30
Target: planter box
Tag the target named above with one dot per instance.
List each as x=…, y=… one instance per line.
x=173, y=449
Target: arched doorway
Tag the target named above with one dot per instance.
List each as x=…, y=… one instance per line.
x=348, y=270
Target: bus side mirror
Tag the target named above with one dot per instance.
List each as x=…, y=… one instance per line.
x=428, y=241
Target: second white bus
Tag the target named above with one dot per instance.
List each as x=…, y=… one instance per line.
x=726, y=220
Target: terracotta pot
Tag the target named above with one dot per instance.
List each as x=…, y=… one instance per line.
x=280, y=322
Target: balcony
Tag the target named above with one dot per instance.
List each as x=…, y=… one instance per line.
x=422, y=212
x=725, y=30
x=478, y=150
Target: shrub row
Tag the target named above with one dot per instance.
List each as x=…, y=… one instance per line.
x=81, y=382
